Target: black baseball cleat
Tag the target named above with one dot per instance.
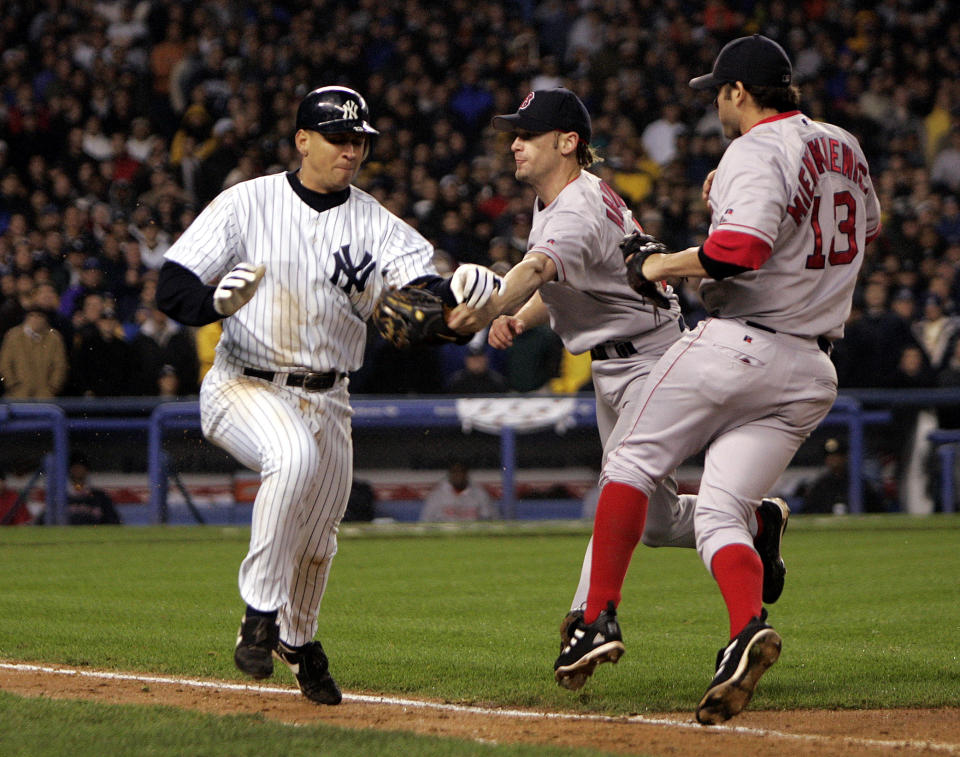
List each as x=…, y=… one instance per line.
x=774, y=514
x=577, y=680
x=311, y=668
x=587, y=646
x=740, y=665
x=256, y=640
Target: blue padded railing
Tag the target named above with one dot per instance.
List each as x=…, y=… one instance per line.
x=17, y=418
x=368, y=413
x=853, y=409
x=442, y=412
x=946, y=442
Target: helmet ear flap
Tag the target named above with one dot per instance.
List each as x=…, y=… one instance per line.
x=368, y=146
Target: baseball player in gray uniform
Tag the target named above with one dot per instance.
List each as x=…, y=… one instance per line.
x=299, y=260
x=573, y=276
x=792, y=209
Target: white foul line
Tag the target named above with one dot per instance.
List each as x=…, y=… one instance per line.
x=532, y=714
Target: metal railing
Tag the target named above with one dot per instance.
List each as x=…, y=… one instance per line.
x=433, y=412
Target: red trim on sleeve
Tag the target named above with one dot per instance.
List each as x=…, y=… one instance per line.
x=871, y=235
x=737, y=248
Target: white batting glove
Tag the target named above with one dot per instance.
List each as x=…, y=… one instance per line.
x=473, y=284
x=237, y=287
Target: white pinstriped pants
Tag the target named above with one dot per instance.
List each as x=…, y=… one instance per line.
x=300, y=443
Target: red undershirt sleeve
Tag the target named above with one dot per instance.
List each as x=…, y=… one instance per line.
x=727, y=253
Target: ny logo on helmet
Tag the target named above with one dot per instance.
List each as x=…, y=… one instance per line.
x=349, y=109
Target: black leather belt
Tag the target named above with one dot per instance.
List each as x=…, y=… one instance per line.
x=760, y=326
x=312, y=382
x=612, y=349
x=825, y=345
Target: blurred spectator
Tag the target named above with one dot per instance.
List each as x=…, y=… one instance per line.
x=13, y=511
x=33, y=359
x=154, y=241
x=873, y=341
x=913, y=370
x=633, y=175
x=194, y=137
x=947, y=229
x=90, y=282
x=17, y=302
x=103, y=361
x=830, y=491
x=114, y=110
x=935, y=331
x=533, y=359
x=660, y=136
x=456, y=498
x=168, y=384
x=45, y=298
x=948, y=416
x=162, y=343
x=222, y=159
x=476, y=376
x=945, y=171
x=86, y=504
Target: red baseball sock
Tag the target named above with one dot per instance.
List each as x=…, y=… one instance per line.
x=739, y=573
x=621, y=513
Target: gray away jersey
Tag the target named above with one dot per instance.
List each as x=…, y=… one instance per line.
x=804, y=188
x=591, y=302
x=324, y=271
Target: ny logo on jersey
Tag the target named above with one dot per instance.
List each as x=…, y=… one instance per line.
x=348, y=276
x=349, y=109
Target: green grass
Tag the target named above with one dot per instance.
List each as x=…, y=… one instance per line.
x=870, y=615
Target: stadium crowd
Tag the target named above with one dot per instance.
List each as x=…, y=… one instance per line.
x=120, y=120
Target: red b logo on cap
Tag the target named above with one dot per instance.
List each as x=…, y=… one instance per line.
x=526, y=101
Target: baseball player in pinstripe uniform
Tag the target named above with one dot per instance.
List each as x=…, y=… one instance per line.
x=792, y=208
x=299, y=260
x=573, y=275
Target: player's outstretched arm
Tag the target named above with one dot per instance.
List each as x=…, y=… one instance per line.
x=521, y=281
x=672, y=265
x=237, y=288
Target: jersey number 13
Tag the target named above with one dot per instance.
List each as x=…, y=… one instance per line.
x=845, y=220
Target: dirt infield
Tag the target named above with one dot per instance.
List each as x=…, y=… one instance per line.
x=785, y=733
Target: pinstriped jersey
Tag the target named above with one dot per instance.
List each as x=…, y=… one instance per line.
x=804, y=188
x=324, y=271
x=591, y=302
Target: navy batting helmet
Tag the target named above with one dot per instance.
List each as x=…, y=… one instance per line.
x=333, y=110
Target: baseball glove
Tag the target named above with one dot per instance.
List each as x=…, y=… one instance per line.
x=411, y=315
x=636, y=248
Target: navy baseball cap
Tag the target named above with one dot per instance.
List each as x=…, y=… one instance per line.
x=548, y=110
x=756, y=60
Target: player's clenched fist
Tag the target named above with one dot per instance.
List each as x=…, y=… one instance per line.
x=473, y=284
x=237, y=287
